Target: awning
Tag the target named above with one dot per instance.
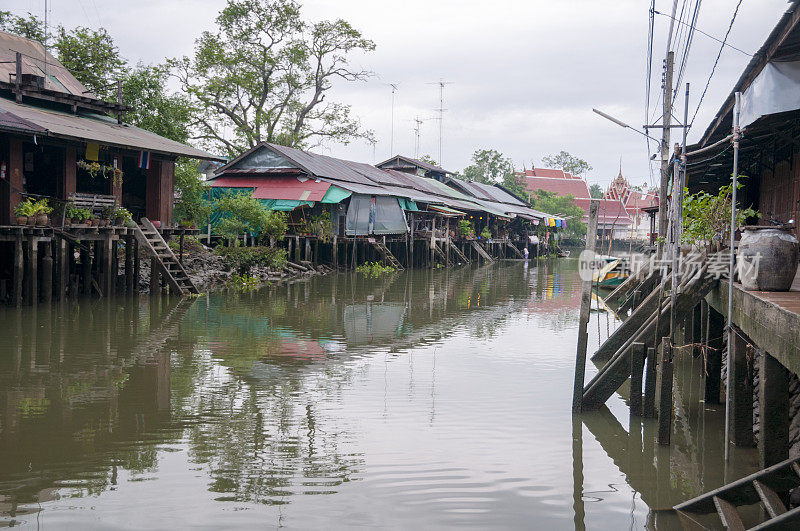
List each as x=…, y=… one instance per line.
x=445, y=210
x=285, y=204
x=408, y=204
x=335, y=195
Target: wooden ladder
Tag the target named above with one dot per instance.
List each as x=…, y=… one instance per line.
x=169, y=266
x=768, y=487
x=387, y=254
x=440, y=253
x=481, y=251
x=459, y=253
x=514, y=248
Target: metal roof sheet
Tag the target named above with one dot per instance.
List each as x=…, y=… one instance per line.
x=277, y=187
x=415, y=162
x=97, y=128
x=35, y=60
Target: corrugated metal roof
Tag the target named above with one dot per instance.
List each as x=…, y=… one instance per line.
x=415, y=162
x=577, y=188
x=97, y=128
x=35, y=60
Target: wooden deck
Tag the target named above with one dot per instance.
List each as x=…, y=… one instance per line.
x=770, y=319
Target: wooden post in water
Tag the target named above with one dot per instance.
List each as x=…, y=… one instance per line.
x=335, y=250
x=713, y=369
x=47, y=273
x=128, y=264
x=63, y=268
x=583, y=322
x=741, y=412
x=108, y=274
x=33, y=272
x=86, y=271
x=665, y=393
x=637, y=365
x=649, y=403
x=136, y=265
x=18, y=270
x=773, y=409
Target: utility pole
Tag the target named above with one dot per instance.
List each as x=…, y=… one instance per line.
x=665, y=150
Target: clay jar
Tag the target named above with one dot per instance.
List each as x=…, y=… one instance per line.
x=777, y=250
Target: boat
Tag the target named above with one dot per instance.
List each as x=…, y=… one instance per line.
x=612, y=274
x=563, y=254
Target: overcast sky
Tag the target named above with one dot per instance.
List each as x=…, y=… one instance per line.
x=525, y=74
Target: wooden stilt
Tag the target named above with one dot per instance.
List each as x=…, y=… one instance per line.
x=637, y=365
x=136, y=265
x=63, y=267
x=86, y=272
x=128, y=264
x=583, y=319
x=665, y=393
x=335, y=251
x=33, y=269
x=107, y=274
x=155, y=277
x=741, y=411
x=773, y=407
x=713, y=372
x=649, y=402
x=19, y=271
x=47, y=273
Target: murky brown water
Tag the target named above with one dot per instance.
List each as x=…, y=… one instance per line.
x=428, y=398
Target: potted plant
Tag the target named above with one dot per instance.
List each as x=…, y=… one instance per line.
x=486, y=234
x=42, y=209
x=22, y=211
x=107, y=215
x=121, y=215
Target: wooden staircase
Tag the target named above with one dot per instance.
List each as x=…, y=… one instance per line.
x=514, y=248
x=769, y=487
x=642, y=326
x=440, y=253
x=386, y=253
x=461, y=256
x=481, y=251
x=169, y=266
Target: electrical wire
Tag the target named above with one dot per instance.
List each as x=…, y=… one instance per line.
x=685, y=58
x=650, y=23
x=716, y=61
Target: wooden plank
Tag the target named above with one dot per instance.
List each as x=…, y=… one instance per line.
x=649, y=402
x=772, y=502
x=728, y=514
x=787, y=520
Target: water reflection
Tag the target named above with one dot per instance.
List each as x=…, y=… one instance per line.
x=433, y=397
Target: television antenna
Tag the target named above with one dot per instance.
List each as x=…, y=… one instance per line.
x=417, y=125
x=394, y=87
x=441, y=110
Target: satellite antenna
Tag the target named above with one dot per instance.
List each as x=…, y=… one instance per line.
x=441, y=110
x=394, y=87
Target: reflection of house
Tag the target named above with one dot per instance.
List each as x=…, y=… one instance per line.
x=52, y=128
x=612, y=219
x=635, y=201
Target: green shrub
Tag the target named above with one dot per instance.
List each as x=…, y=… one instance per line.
x=242, y=259
x=375, y=269
x=465, y=228
x=243, y=282
x=486, y=234
x=241, y=212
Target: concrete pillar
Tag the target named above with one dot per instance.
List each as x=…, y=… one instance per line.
x=741, y=392
x=773, y=409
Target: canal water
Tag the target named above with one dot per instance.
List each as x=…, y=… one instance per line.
x=428, y=398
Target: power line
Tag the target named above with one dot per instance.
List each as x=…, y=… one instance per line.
x=724, y=43
x=689, y=38
x=716, y=61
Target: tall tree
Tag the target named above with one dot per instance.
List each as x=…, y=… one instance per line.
x=488, y=166
x=30, y=27
x=596, y=191
x=264, y=76
x=569, y=163
x=154, y=107
x=92, y=57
